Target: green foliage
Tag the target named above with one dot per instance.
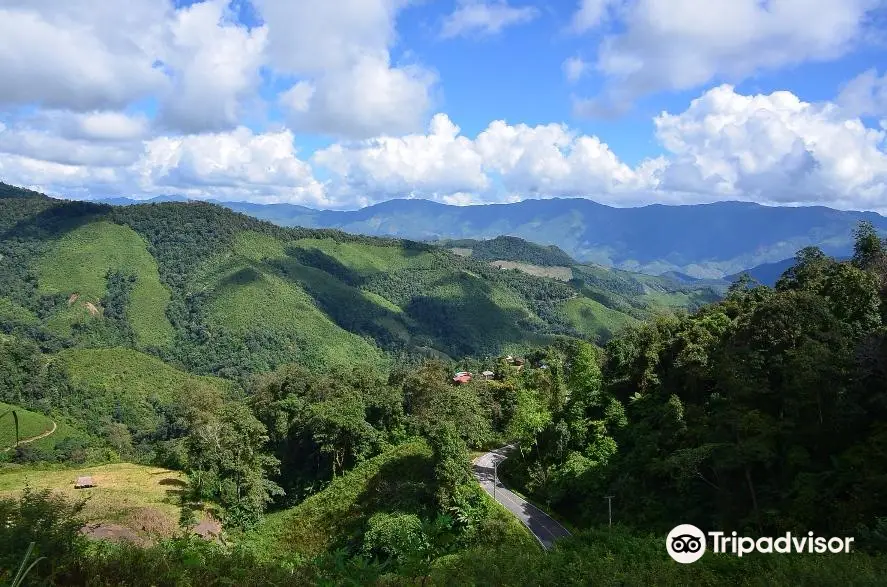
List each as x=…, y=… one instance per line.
x=82, y=262
x=393, y=482
x=510, y=248
x=30, y=424
x=225, y=462
x=321, y=425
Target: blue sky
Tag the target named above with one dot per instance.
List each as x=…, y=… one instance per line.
x=627, y=102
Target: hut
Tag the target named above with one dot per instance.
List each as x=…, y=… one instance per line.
x=84, y=482
x=488, y=374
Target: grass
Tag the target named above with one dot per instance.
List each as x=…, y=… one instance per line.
x=131, y=373
x=367, y=259
x=256, y=286
x=594, y=319
x=130, y=385
x=141, y=498
x=392, y=481
x=30, y=424
x=254, y=298
x=78, y=263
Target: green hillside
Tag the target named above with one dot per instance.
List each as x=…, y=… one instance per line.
x=30, y=424
x=77, y=266
x=131, y=373
x=131, y=386
x=225, y=294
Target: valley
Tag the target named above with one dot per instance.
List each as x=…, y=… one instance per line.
x=279, y=403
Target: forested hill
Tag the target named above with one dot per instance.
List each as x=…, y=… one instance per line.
x=222, y=293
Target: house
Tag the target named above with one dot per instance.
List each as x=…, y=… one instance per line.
x=488, y=374
x=83, y=483
x=462, y=377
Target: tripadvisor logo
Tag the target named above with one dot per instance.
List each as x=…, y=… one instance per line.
x=687, y=543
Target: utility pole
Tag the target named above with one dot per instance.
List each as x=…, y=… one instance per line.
x=609, y=499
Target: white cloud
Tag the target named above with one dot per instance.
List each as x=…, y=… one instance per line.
x=438, y=164
x=340, y=53
x=92, y=55
x=865, y=95
x=775, y=149
x=591, y=14
x=216, y=68
x=79, y=54
x=479, y=17
x=545, y=160
x=683, y=44
x=238, y=164
x=367, y=100
x=112, y=126
x=574, y=68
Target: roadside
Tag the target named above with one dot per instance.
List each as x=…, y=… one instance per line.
x=546, y=529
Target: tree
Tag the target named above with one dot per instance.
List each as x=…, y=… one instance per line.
x=225, y=462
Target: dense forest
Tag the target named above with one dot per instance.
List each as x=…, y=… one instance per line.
x=296, y=385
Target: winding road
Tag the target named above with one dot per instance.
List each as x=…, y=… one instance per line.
x=541, y=525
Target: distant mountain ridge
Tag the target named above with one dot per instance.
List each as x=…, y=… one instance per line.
x=698, y=241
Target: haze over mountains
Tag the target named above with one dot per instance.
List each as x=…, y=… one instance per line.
x=703, y=241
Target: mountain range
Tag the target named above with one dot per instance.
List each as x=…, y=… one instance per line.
x=717, y=240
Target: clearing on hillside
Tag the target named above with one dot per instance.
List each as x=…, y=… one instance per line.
x=77, y=266
x=559, y=273
x=144, y=501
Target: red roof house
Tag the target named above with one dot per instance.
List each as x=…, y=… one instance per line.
x=462, y=377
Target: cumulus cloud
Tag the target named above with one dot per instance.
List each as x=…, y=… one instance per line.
x=238, y=164
x=80, y=54
x=340, y=54
x=478, y=17
x=88, y=55
x=369, y=99
x=234, y=165
x=683, y=44
x=773, y=148
x=547, y=160
x=215, y=65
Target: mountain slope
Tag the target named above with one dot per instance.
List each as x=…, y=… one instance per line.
x=215, y=292
x=709, y=240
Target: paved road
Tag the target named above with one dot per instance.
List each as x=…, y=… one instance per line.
x=544, y=528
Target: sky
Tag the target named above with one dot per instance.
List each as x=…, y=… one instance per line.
x=344, y=104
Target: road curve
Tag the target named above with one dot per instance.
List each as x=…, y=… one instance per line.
x=541, y=525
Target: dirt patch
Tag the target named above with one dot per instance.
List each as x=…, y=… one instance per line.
x=73, y=298
x=209, y=528
x=151, y=521
x=93, y=311
x=462, y=252
x=112, y=532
